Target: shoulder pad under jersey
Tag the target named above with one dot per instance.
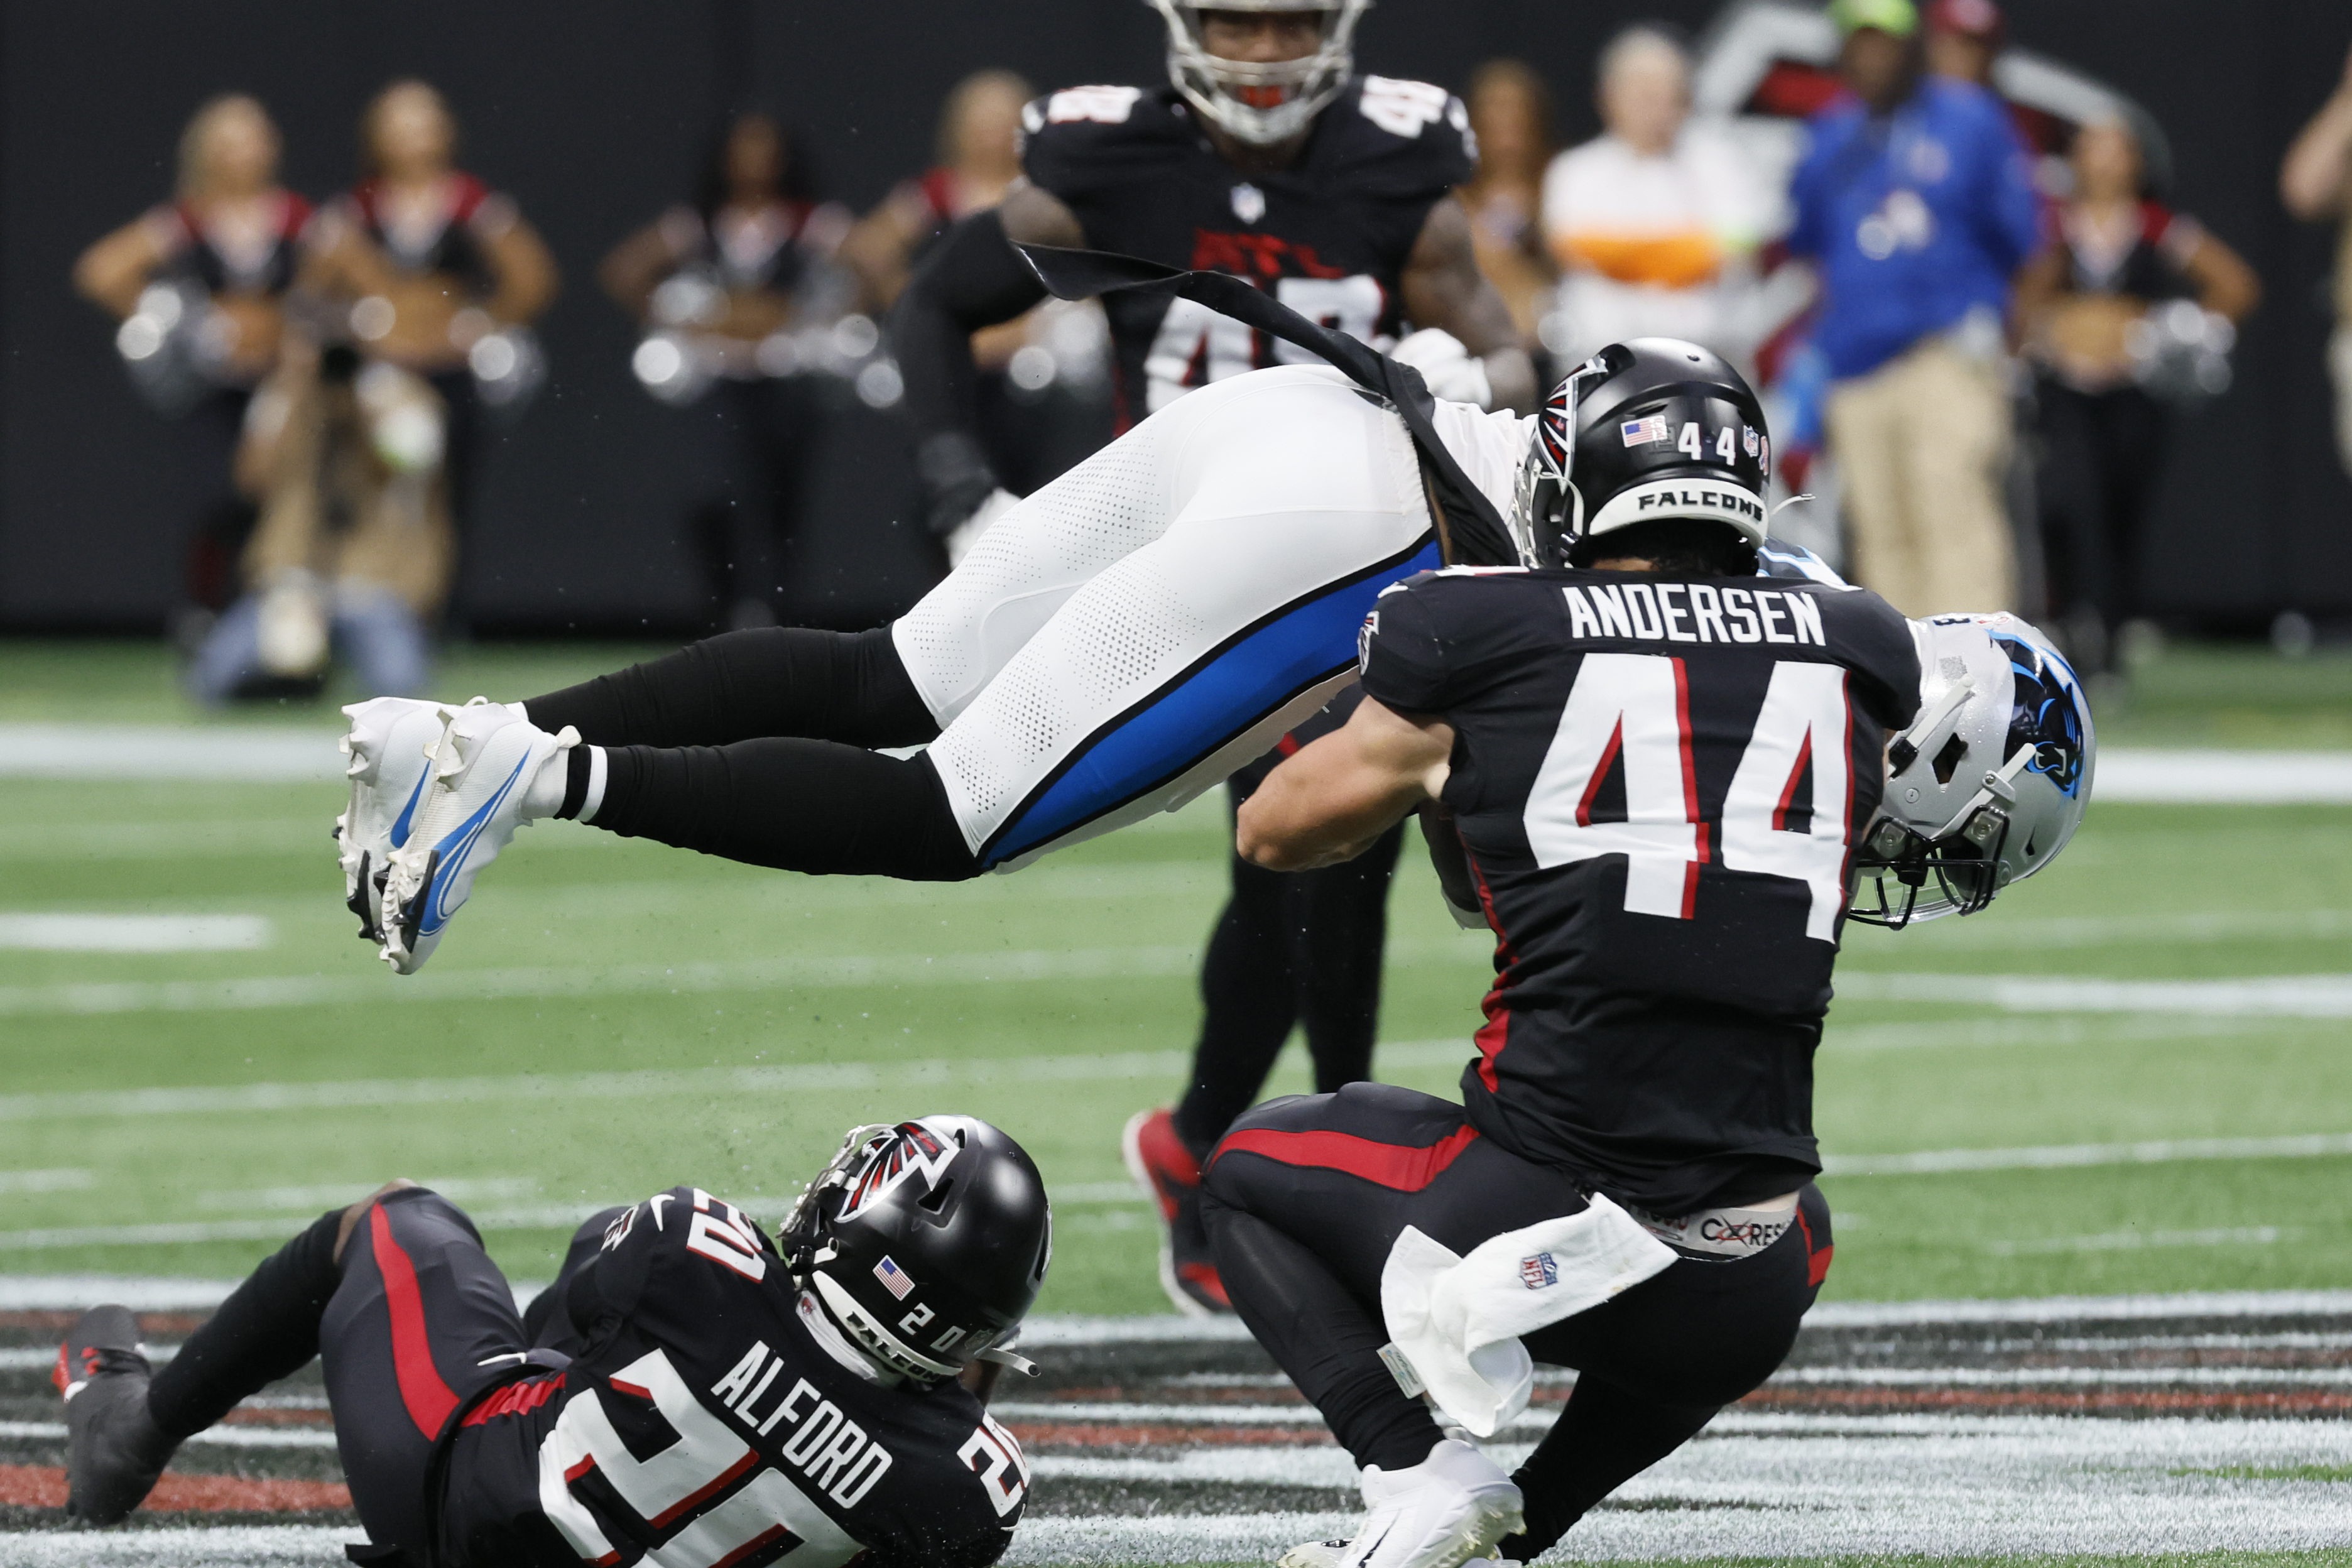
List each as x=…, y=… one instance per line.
x=1083, y=139
x=1779, y=557
x=1397, y=138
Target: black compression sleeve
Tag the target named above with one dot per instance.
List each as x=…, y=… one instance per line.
x=267, y=1328
x=797, y=806
x=971, y=278
x=776, y=680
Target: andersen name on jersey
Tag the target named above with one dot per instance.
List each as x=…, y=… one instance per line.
x=1660, y=783
x=1330, y=235
x=705, y=1422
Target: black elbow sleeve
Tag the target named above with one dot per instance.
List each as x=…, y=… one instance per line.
x=971, y=278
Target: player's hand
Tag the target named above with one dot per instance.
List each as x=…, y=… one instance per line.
x=956, y=477
x=965, y=534
x=1446, y=366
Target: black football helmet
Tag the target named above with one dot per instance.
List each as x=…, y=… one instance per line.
x=1651, y=428
x=925, y=1242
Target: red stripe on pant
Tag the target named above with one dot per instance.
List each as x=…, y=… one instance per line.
x=428, y=1399
x=1406, y=1169
x=1817, y=1260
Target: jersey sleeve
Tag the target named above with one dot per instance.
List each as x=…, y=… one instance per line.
x=1405, y=140
x=1870, y=638
x=1400, y=652
x=1083, y=143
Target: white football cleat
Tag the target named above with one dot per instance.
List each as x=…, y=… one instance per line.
x=386, y=744
x=1447, y=1510
x=484, y=768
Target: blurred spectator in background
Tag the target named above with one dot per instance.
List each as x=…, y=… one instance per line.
x=1041, y=380
x=1964, y=37
x=1916, y=204
x=2099, y=312
x=433, y=271
x=351, y=554
x=1510, y=114
x=2316, y=182
x=1655, y=222
x=723, y=286
x=198, y=285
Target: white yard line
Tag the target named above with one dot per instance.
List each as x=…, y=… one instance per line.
x=58, y=1181
x=233, y=1546
x=141, y=754
x=2151, y=1152
x=34, y=932
x=2271, y=996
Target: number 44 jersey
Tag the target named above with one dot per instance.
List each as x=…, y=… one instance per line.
x=704, y=1422
x=1660, y=783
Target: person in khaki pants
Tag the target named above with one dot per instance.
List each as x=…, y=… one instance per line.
x=1917, y=206
x=2316, y=181
x=1923, y=443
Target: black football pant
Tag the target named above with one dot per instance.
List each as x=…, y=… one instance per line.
x=1292, y=948
x=755, y=746
x=1304, y=1199
x=414, y=1321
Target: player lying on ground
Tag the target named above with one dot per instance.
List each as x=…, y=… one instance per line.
x=1659, y=776
x=685, y=1393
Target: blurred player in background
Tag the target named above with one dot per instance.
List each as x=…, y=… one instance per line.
x=1655, y=222
x=1964, y=38
x=1510, y=114
x=717, y=280
x=2316, y=182
x=2086, y=307
x=438, y=273
x=199, y=285
x=1039, y=390
x=1916, y=204
x=1267, y=157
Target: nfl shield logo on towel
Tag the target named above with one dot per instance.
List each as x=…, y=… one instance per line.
x=1538, y=1271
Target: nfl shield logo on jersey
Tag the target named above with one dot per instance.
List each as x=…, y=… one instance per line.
x=1538, y=1271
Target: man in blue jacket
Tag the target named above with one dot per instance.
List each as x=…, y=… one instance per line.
x=1917, y=204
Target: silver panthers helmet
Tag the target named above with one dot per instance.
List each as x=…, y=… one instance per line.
x=1989, y=782
x=1261, y=104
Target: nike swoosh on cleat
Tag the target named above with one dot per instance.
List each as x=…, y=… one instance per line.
x=400, y=823
x=457, y=848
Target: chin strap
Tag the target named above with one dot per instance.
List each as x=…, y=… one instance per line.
x=1003, y=1356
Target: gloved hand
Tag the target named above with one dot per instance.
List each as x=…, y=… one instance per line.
x=957, y=480
x=965, y=534
x=1446, y=366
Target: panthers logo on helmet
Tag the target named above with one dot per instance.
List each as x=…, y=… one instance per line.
x=2047, y=714
x=914, y=1150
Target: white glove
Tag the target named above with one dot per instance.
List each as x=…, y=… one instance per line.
x=965, y=534
x=1446, y=366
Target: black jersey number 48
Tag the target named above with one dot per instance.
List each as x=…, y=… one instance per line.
x=1634, y=708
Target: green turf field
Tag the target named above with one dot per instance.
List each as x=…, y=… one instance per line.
x=608, y=1017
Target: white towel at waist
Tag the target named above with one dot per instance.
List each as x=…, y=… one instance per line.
x=1455, y=1321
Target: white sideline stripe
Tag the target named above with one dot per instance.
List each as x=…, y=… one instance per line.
x=547, y=1216
x=134, y=933
x=65, y=1181
x=250, y=753
x=216, y=1436
x=2276, y=996
x=2154, y=1152
x=2153, y=778
x=2137, y=1240
x=789, y=1078
x=216, y=1546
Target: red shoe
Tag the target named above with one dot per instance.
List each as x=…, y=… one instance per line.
x=1168, y=1171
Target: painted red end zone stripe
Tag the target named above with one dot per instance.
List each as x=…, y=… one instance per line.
x=43, y=1486
x=428, y=1397
x=1402, y=1167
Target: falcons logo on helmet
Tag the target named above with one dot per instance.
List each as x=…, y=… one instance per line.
x=914, y=1150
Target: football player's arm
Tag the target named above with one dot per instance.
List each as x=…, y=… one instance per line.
x=1332, y=798
x=971, y=278
x=2316, y=178
x=1443, y=288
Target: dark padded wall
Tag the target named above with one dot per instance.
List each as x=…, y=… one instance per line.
x=592, y=116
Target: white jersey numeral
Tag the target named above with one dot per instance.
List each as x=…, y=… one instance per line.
x=707, y=1457
x=1632, y=712
x=1806, y=725
x=995, y=1454
x=1349, y=305
x=1403, y=108
x=1102, y=105
x=1632, y=707
x=1194, y=346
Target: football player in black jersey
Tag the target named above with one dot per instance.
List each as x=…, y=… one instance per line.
x=685, y=1393
x=1267, y=157
x=1661, y=768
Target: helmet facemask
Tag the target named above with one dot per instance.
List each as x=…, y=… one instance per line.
x=1261, y=103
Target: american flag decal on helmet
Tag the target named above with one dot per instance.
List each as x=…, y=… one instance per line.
x=897, y=1281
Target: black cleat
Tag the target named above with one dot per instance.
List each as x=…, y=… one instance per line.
x=366, y=899
x=114, y=1450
